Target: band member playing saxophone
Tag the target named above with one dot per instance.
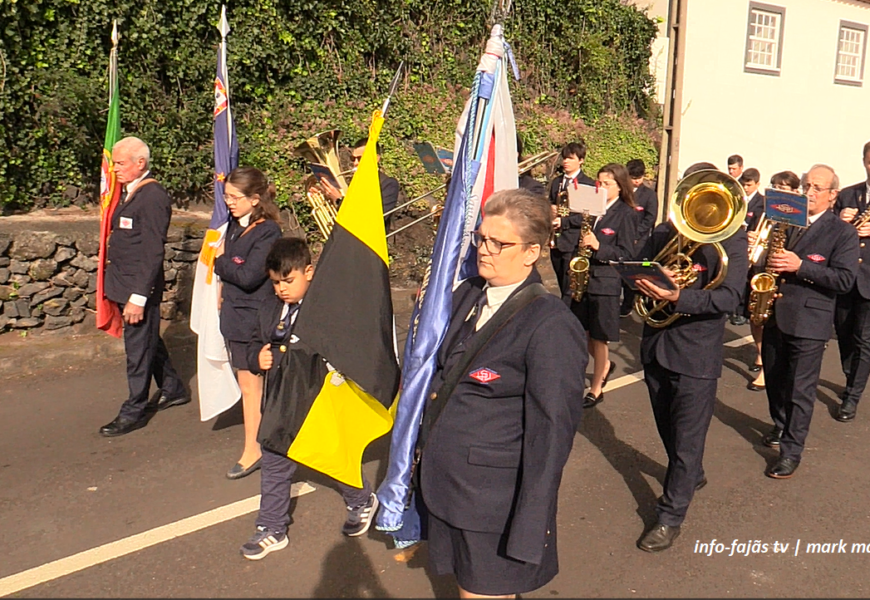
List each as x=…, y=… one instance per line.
x=817, y=263
x=852, y=318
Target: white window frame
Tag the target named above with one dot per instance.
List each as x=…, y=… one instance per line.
x=751, y=66
x=851, y=27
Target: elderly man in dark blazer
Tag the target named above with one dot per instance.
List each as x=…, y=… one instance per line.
x=134, y=279
x=818, y=263
x=852, y=317
x=682, y=363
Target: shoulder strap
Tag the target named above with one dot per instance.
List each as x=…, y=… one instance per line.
x=437, y=401
x=142, y=184
x=251, y=226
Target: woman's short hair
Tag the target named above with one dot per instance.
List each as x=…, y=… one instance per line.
x=786, y=178
x=527, y=212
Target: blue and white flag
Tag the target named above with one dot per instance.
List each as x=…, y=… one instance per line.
x=485, y=161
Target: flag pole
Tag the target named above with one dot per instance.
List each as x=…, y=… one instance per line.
x=393, y=87
x=224, y=28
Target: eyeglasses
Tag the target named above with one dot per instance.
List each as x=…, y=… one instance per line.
x=494, y=247
x=815, y=189
x=234, y=198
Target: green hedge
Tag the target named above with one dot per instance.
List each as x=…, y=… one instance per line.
x=298, y=67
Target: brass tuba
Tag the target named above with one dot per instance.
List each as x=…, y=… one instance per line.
x=707, y=207
x=322, y=149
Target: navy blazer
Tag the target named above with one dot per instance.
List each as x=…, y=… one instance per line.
x=616, y=232
x=134, y=251
x=692, y=345
x=855, y=196
x=530, y=184
x=829, y=252
x=267, y=322
x=245, y=284
x=493, y=460
x=647, y=211
x=569, y=234
x=754, y=210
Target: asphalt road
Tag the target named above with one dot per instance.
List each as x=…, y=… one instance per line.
x=65, y=490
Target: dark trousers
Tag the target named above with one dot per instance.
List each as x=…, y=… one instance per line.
x=560, y=261
x=683, y=408
x=852, y=320
x=791, y=370
x=276, y=476
x=147, y=357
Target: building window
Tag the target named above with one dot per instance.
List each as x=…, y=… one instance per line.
x=764, y=38
x=851, y=48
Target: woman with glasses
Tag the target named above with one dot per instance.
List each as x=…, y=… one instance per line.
x=241, y=264
x=492, y=458
x=785, y=181
x=611, y=238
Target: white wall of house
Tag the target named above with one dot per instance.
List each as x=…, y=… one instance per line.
x=787, y=118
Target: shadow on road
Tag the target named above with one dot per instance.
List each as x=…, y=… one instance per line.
x=348, y=573
x=443, y=586
x=749, y=428
x=630, y=463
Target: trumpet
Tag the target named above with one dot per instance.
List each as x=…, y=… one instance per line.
x=762, y=232
x=708, y=207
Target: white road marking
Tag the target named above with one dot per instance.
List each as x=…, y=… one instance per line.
x=739, y=342
x=134, y=543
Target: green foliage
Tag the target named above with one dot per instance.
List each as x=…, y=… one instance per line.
x=297, y=67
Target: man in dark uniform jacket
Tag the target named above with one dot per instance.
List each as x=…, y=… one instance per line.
x=390, y=189
x=647, y=211
x=852, y=317
x=682, y=363
x=134, y=279
x=567, y=228
x=818, y=263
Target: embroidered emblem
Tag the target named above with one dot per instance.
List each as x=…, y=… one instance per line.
x=126, y=223
x=816, y=258
x=607, y=231
x=639, y=208
x=294, y=339
x=749, y=214
x=238, y=260
x=785, y=208
x=484, y=375
x=699, y=268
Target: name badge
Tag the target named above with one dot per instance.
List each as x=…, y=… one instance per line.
x=126, y=223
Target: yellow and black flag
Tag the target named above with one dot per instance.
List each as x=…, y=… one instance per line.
x=340, y=375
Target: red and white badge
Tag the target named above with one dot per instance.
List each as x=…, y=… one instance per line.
x=126, y=223
x=699, y=268
x=238, y=260
x=639, y=208
x=607, y=231
x=484, y=375
x=816, y=258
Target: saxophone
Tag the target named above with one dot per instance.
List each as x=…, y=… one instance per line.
x=562, y=210
x=578, y=268
x=763, y=285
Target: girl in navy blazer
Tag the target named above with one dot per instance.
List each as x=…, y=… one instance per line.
x=612, y=238
x=241, y=265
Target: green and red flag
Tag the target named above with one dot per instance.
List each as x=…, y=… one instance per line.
x=108, y=313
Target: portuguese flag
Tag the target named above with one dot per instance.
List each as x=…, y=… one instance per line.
x=339, y=375
x=108, y=314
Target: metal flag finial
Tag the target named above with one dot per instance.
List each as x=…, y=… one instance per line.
x=115, y=36
x=393, y=87
x=224, y=26
x=500, y=10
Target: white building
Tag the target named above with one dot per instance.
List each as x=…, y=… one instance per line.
x=782, y=83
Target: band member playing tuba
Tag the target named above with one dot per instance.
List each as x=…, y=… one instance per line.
x=567, y=226
x=818, y=263
x=611, y=238
x=682, y=354
x=787, y=182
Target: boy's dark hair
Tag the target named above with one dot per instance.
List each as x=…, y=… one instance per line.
x=786, y=178
x=288, y=255
x=577, y=149
x=750, y=174
x=363, y=141
x=735, y=159
x=701, y=166
x=636, y=168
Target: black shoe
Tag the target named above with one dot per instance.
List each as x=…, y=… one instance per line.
x=591, y=400
x=753, y=387
x=165, y=402
x=121, y=425
x=238, y=471
x=701, y=484
x=771, y=440
x=847, y=410
x=661, y=537
x=755, y=368
x=783, y=468
x=738, y=320
x=609, y=373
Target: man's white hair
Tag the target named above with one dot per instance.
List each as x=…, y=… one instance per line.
x=835, y=180
x=135, y=147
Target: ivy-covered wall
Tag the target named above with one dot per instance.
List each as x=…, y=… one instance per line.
x=298, y=67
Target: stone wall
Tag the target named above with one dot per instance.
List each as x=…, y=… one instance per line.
x=48, y=268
